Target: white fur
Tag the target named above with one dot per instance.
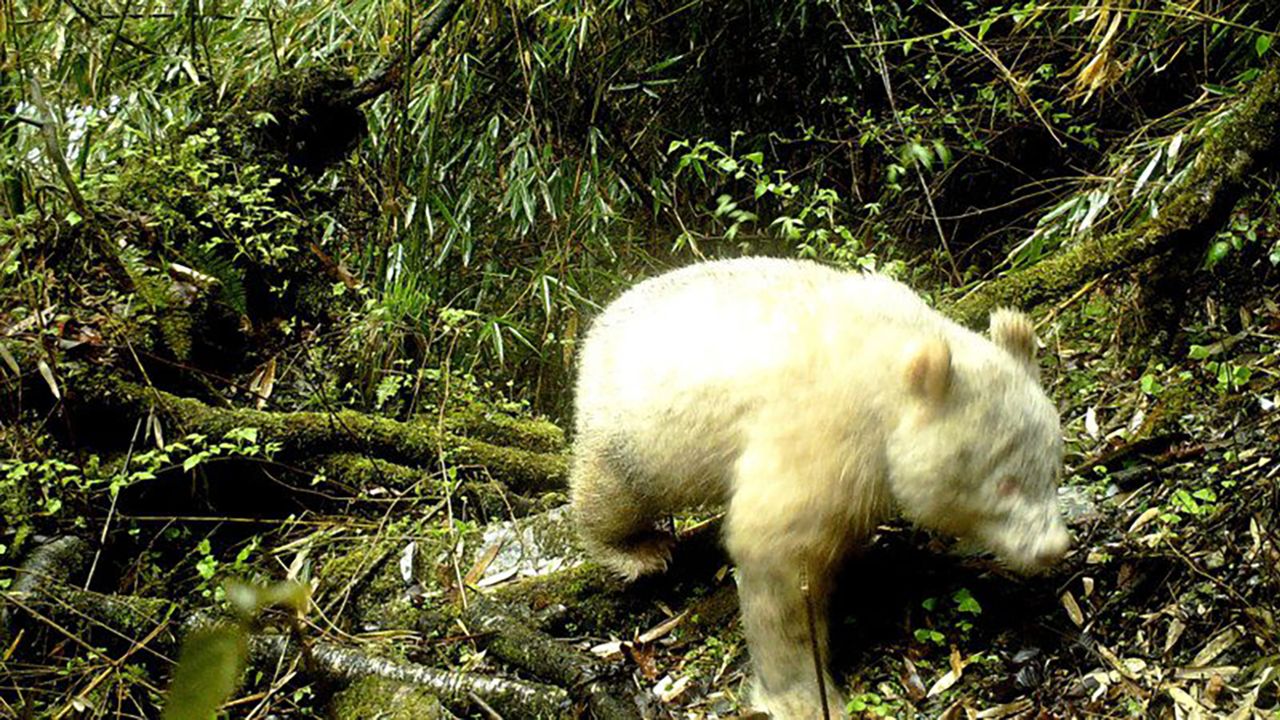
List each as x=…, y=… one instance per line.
x=814, y=403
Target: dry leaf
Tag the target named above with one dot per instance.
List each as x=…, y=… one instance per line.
x=1005, y=710
x=1073, y=609
x=46, y=372
x=1147, y=516
x=957, y=663
x=8, y=359
x=668, y=690
x=955, y=711
x=406, y=561
x=263, y=382
x=662, y=629
x=1128, y=668
x=1185, y=701
x=1206, y=673
x=1091, y=424
x=482, y=563
x=645, y=659
x=944, y=683
x=498, y=578
x=1217, y=645
x=911, y=682
x=1176, y=626
x=611, y=650
x=295, y=566
x=1212, y=690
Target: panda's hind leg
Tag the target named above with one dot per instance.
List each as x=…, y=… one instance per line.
x=618, y=525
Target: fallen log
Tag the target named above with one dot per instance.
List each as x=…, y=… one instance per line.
x=310, y=434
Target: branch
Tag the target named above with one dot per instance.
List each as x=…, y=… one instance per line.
x=386, y=77
x=311, y=434
x=514, y=641
x=511, y=698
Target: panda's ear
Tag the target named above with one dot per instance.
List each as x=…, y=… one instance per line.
x=928, y=371
x=1014, y=332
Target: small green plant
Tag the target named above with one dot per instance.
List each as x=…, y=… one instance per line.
x=870, y=703
x=1150, y=382
x=1200, y=502
x=195, y=192
x=1228, y=376
x=963, y=604
x=811, y=219
x=1243, y=230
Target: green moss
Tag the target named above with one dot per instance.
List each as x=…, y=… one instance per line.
x=310, y=434
x=1210, y=191
x=485, y=423
x=364, y=573
x=387, y=700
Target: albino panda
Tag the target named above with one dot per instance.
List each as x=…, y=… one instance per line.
x=813, y=404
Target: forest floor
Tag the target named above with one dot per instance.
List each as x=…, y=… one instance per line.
x=421, y=577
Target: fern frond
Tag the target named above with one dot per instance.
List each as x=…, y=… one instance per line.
x=217, y=265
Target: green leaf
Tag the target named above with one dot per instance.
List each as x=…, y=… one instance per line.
x=207, y=566
x=1198, y=352
x=942, y=151
x=966, y=603
x=984, y=26
x=208, y=672
x=1217, y=252
x=1150, y=385
x=1262, y=44
x=921, y=154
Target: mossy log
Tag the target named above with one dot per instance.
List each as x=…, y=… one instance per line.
x=125, y=620
x=362, y=471
x=1243, y=143
x=387, y=700
x=514, y=640
x=508, y=697
x=107, y=619
x=308, y=435
x=482, y=422
x=51, y=564
x=589, y=599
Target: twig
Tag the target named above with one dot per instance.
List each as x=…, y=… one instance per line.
x=111, y=511
x=813, y=646
x=883, y=68
x=484, y=707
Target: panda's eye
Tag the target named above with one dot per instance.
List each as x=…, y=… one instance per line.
x=1008, y=486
